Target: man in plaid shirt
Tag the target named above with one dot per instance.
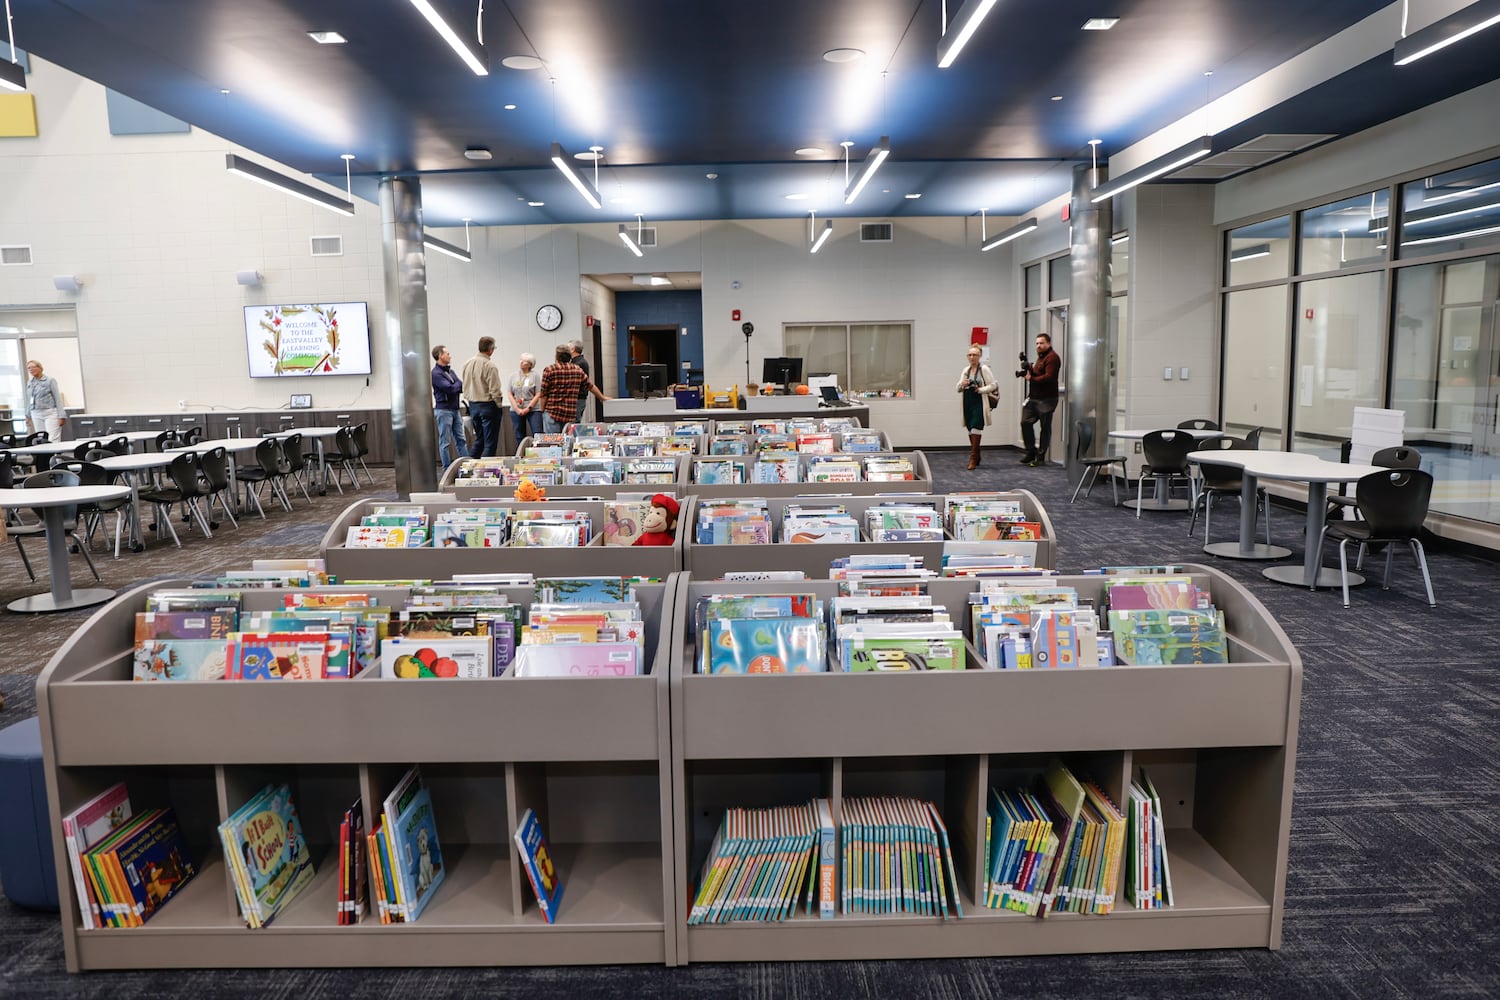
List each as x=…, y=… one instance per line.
x=563, y=388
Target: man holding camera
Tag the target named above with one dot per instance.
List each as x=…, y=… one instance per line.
x=1041, y=378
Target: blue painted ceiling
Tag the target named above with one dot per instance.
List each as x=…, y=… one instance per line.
x=675, y=90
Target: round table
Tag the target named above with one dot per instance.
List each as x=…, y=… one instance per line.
x=1158, y=499
x=52, y=501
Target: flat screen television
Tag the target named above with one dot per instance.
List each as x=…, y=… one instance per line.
x=308, y=338
x=646, y=379
x=782, y=371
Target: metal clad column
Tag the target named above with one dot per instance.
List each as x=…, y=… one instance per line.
x=1086, y=357
x=412, y=422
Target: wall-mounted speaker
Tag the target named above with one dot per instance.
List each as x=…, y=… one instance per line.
x=66, y=282
x=251, y=278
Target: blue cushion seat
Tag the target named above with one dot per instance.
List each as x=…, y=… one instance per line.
x=27, y=873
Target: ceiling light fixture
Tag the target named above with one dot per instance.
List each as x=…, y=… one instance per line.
x=536, y=204
x=589, y=191
x=650, y=280
x=327, y=37
x=1250, y=252
x=914, y=196
x=477, y=153
x=634, y=245
x=1014, y=232
x=1056, y=97
x=458, y=253
x=1117, y=240
x=809, y=151
x=957, y=35
x=872, y=163
x=815, y=243
x=510, y=107
x=591, y=154
x=796, y=196
x=297, y=189
x=521, y=62
x=1197, y=149
x=12, y=75
x=1440, y=34
x=1100, y=23
x=450, y=36
x=843, y=55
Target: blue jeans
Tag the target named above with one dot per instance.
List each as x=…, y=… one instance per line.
x=552, y=425
x=527, y=425
x=450, y=440
x=486, y=420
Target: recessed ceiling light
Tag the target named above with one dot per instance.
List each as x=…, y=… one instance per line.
x=536, y=204
x=1100, y=23
x=327, y=37
x=795, y=197
x=843, y=55
x=914, y=196
x=224, y=91
x=1095, y=142
x=1057, y=97
x=589, y=154
x=477, y=153
x=510, y=107
x=521, y=62
x=809, y=151
x=712, y=177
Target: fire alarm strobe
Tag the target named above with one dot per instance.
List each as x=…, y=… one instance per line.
x=734, y=315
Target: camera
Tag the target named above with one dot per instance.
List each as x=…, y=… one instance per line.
x=1024, y=366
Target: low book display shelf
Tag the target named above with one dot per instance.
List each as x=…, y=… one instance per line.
x=589, y=755
x=1219, y=742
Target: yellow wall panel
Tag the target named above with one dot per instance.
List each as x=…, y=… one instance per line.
x=17, y=115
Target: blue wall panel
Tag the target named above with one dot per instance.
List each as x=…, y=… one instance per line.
x=680, y=309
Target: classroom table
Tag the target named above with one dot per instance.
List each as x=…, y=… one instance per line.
x=1158, y=499
x=52, y=501
x=1286, y=466
x=317, y=435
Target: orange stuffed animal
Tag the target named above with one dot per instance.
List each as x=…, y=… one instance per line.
x=528, y=491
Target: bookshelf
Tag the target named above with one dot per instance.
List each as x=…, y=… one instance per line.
x=921, y=481
x=428, y=563
x=489, y=749
x=1219, y=741
x=709, y=562
x=496, y=491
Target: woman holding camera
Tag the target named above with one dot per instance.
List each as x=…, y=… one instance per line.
x=980, y=391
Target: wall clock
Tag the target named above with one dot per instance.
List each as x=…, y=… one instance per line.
x=549, y=318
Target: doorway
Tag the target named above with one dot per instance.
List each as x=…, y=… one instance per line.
x=655, y=344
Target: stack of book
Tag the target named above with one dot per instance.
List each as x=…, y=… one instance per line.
x=861, y=441
x=641, y=446
x=815, y=443
x=895, y=857
x=733, y=427
x=774, y=441
x=768, y=425
x=1164, y=620
x=900, y=521
x=659, y=471
x=406, y=861
x=880, y=574
x=1148, y=867
x=678, y=445
x=480, y=471
x=974, y=559
x=733, y=522
x=272, y=573
x=833, y=469
x=124, y=867
x=777, y=467
x=593, y=446
x=267, y=854
x=352, y=857
x=582, y=639
x=550, y=527
x=896, y=633
x=544, y=470
x=802, y=525
x=449, y=631
x=986, y=519
x=471, y=528
x=718, y=471
x=594, y=472
x=760, y=634
x=389, y=527
x=888, y=468
x=763, y=862
x=729, y=444
x=1023, y=626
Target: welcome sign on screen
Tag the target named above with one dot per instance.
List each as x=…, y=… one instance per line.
x=318, y=338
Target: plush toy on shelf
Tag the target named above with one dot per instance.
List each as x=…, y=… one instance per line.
x=528, y=491
x=659, y=526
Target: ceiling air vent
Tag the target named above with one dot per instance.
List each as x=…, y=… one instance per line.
x=876, y=232
x=647, y=235
x=328, y=246
x=15, y=255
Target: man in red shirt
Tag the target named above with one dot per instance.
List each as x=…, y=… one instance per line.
x=1041, y=383
x=563, y=387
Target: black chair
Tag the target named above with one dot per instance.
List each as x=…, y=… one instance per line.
x=119, y=445
x=214, y=467
x=52, y=477
x=1083, y=433
x=266, y=470
x=1222, y=481
x=8, y=441
x=1398, y=457
x=361, y=434
x=1252, y=438
x=295, y=462
x=84, y=447
x=342, y=457
x=91, y=514
x=185, y=490
x=37, y=437
x=166, y=439
x=1198, y=424
x=1392, y=506
x=1166, y=455
x=191, y=436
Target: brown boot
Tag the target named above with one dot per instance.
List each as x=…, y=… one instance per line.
x=973, y=451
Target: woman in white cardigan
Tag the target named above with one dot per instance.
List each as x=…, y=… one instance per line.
x=979, y=388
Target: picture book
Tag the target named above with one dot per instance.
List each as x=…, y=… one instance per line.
x=267, y=853
x=180, y=660
x=430, y=657
x=624, y=521
x=577, y=659
x=766, y=646
x=117, y=903
x=536, y=859
x=85, y=827
x=155, y=861
x=183, y=625
x=193, y=599
x=259, y=656
x=890, y=653
x=416, y=854
x=583, y=589
x=549, y=533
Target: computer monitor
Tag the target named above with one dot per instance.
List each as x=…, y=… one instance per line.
x=646, y=379
x=782, y=371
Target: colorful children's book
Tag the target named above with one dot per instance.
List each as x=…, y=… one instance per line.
x=416, y=854
x=258, y=656
x=413, y=658
x=536, y=859
x=267, y=853
x=577, y=659
x=155, y=861
x=85, y=827
x=180, y=660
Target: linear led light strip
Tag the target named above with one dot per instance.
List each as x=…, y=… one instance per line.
x=1432, y=199
x=450, y=36
x=1453, y=28
x=1381, y=224
x=1014, y=232
x=957, y=34
x=817, y=243
x=872, y=163
x=560, y=161
x=286, y=185
x=633, y=244
x=1183, y=155
x=1452, y=236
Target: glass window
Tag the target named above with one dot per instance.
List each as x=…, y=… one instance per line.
x=48, y=334
x=1457, y=210
x=869, y=358
x=1119, y=264
x=1033, y=325
x=1033, y=285
x=1344, y=233
x=1339, y=346
x=1059, y=278
x=1255, y=351
x=1258, y=252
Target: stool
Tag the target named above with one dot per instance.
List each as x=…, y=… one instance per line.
x=27, y=871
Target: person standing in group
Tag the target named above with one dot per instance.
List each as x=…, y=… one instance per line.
x=481, y=380
x=575, y=351
x=1041, y=400
x=44, y=406
x=978, y=386
x=521, y=392
x=564, y=387
x=446, y=387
